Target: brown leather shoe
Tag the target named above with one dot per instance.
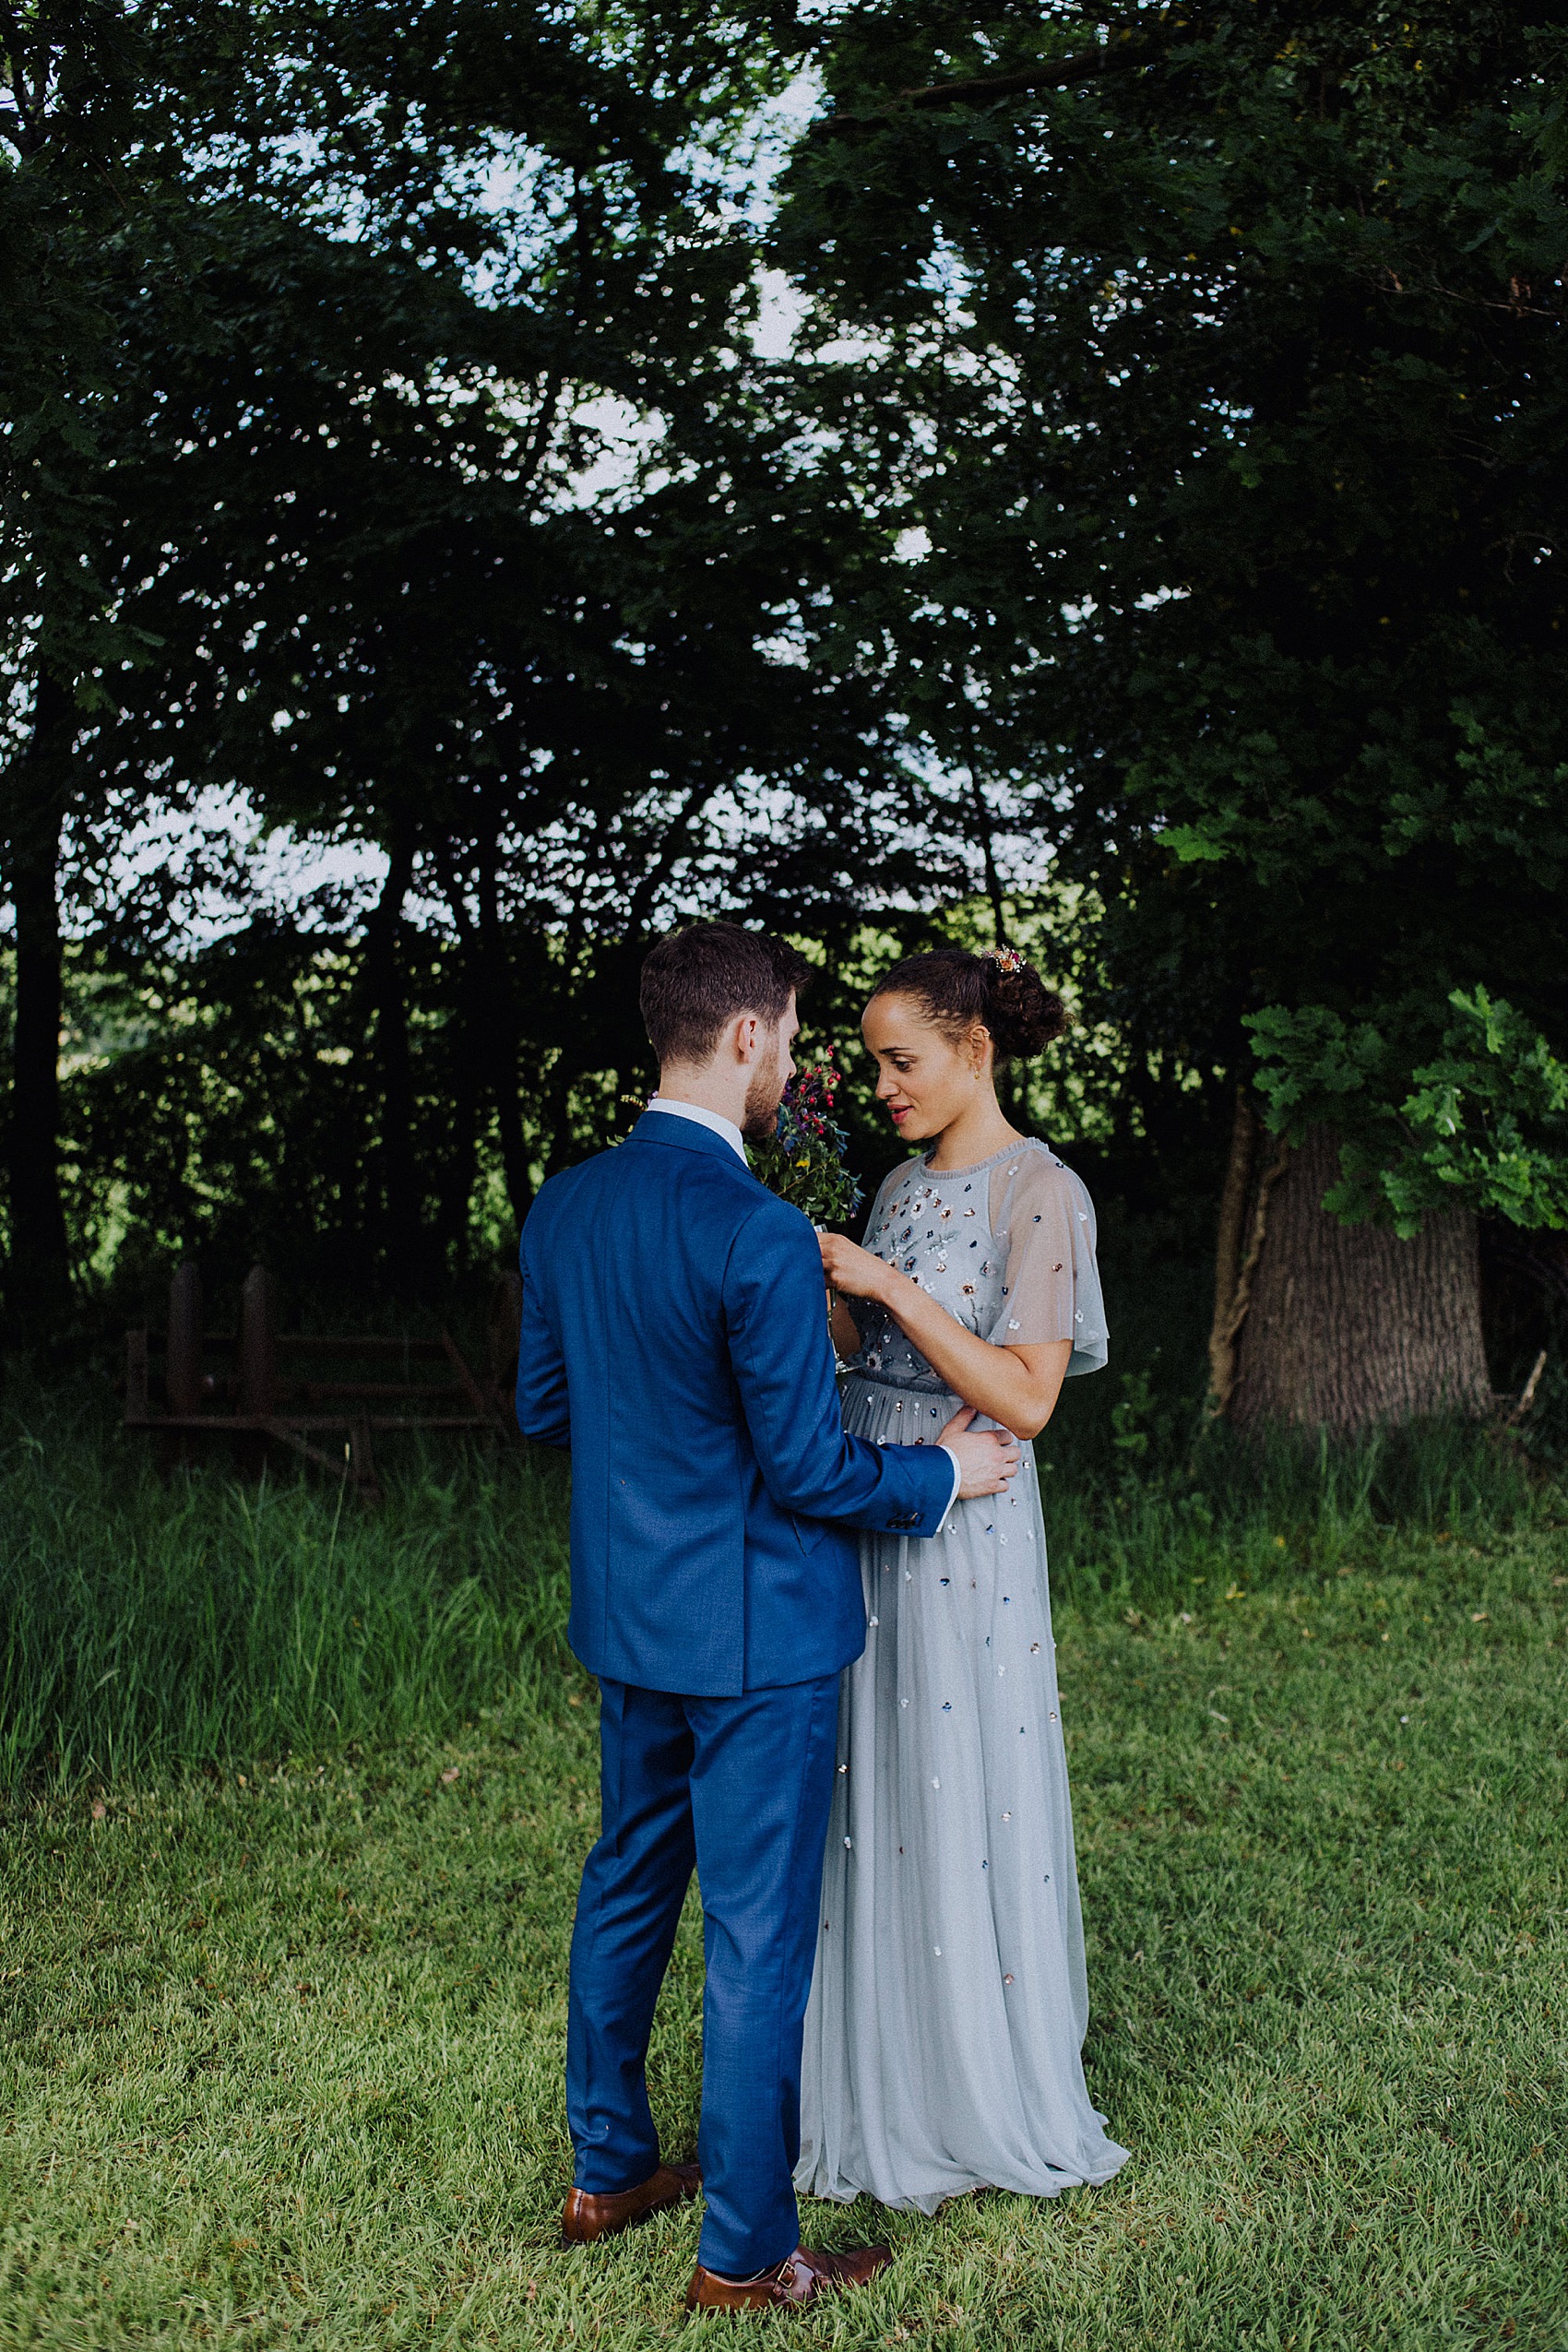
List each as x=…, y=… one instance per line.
x=588, y=2217
x=800, y=2277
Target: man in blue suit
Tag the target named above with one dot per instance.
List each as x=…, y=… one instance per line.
x=674, y=1337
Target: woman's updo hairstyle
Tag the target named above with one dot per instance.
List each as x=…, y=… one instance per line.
x=999, y=988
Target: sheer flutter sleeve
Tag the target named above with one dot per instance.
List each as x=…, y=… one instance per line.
x=1041, y=1215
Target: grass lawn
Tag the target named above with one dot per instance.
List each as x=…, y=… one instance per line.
x=283, y=2046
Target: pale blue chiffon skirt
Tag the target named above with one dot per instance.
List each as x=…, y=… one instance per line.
x=950, y=1999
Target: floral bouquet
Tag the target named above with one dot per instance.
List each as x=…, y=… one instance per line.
x=803, y=1162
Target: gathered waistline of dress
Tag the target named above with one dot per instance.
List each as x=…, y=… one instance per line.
x=903, y=1387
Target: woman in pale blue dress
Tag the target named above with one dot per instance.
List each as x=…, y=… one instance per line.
x=943, y=2038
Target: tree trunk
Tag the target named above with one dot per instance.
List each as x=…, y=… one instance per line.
x=38, y=1283
x=1346, y=1326
x=500, y=997
x=402, y=1235
x=455, y=1180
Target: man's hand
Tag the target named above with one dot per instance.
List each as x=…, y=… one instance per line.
x=986, y=1457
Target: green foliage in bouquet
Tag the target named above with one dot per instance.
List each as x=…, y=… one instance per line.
x=803, y=1160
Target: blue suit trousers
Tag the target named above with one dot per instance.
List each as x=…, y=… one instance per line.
x=740, y=1788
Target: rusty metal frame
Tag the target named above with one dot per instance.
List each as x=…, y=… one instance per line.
x=275, y=1404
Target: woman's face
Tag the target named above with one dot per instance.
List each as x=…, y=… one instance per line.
x=927, y=1077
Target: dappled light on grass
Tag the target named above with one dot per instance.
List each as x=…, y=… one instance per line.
x=1227, y=1509
x=298, y=1796
x=284, y=2048
x=151, y=1626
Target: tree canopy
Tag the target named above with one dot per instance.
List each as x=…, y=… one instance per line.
x=1146, y=543
x=1211, y=362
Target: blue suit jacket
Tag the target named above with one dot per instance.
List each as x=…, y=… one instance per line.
x=676, y=1338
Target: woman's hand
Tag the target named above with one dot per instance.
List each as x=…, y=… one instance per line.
x=1017, y=1386
x=850, y=1270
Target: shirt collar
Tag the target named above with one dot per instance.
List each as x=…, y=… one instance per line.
x=712, y=1120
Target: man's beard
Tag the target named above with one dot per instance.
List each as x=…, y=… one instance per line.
x=760, y=1123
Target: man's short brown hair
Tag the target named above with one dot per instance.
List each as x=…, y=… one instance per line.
x=698, y=979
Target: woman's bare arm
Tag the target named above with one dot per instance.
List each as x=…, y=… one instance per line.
x=1017, y=1386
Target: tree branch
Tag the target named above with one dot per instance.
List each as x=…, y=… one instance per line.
x=980, y=89
x=1228, y=1252
x=1226, y=1330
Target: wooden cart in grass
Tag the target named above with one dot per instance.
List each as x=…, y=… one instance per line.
x=323, y=1395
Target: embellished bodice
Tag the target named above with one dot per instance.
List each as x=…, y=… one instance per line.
x=1006, y=1246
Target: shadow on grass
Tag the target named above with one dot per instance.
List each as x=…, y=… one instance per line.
x=151, y=1626
x=1170, y=1519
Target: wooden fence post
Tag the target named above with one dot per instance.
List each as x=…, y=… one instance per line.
x=182, y=1365
x=258, y=1347
x=503, y=1328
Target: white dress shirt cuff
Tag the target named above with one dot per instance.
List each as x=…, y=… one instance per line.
x=957, y=1482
